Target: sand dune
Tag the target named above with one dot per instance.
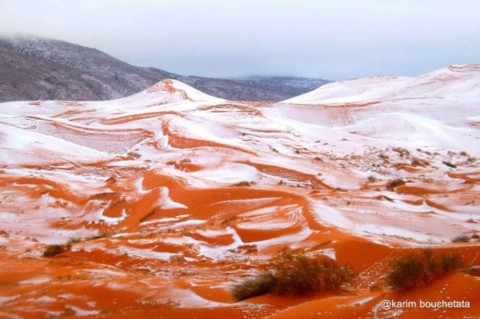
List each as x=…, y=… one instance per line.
x=170, y=196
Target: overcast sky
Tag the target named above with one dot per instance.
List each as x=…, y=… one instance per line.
x=335, y=39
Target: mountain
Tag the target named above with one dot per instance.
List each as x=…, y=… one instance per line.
x=296, y=82
x=156, y=204
x=45, y=69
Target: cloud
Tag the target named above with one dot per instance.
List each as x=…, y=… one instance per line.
x=332, y=39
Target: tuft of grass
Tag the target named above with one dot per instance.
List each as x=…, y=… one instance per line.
x=372, y=179
x=296, y=275
x=395, y=183
x=416, y=269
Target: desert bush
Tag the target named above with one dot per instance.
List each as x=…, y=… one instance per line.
x=461, y=239
x=449, y=164
x=296, y=275
x=419, y=162
x=53, y=250
x=372, y=179
x=419, y=268
x=402, y=151
x=260, y=285
x=244, y=184
x=395, y=183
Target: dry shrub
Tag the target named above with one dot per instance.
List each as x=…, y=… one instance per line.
x=461, y=239
x=419, y=268
x=260, y=285
x=296, y=275
x=395, y=183
x=419, y=162
x=402, y=151
x=449, y=164
x=53, y=250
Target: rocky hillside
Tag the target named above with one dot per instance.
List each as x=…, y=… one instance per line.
x=46, y=69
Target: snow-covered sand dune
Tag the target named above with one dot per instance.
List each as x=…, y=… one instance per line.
x=170, y=195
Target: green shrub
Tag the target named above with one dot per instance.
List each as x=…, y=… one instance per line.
x=419, y=268
x=296, y=275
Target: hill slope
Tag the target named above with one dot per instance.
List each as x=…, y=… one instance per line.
x=46, y=69
x=451, y=82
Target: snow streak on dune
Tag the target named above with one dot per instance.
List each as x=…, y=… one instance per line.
x=165, y=198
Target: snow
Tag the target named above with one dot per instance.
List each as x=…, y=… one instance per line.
x=474, y=119
x=338, y=218
x=4, y=300
x=327, y=141
x=229, y=173
x=9, y=315
x=80, y=312
x=418, y=131
x=357, y=90
x=220, y=252
x=303, y=167
x=451, y=82
x=329, y=252
x=165, y=202
x=45, y=299
x=36, y=280
x=362, y=301
x=130, y=251
x=22, y=146
x=165, y=95
x=111, y=220
x=185, y=298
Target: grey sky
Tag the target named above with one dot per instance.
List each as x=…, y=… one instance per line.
x=334, y=39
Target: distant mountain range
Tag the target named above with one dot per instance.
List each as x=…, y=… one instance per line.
x=46, y=69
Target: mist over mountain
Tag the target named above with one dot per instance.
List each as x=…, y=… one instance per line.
x=33, y=68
